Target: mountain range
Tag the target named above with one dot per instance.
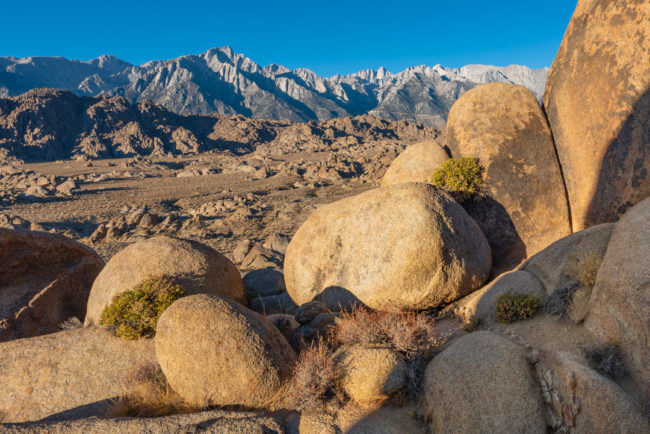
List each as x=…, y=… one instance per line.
x=222, y=81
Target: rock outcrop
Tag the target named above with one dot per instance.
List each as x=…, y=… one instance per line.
x=597, y=100
x=525, y=207
x=579, y=399
x=196, y=267
x=619, y=308
x=405, y=246
x=482, y=383
x=415, y=164
x=66, y=375
x=214, y=351
x=371, y=375
x=44, y=280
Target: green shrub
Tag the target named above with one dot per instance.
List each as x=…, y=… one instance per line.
x=471, y=324
x=134, y=313
x=515, y=307
x=460, y=177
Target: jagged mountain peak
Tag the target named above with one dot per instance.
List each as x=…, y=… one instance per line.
x=222, y=81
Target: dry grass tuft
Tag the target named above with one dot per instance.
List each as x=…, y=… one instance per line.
x=559, y=301
x=314, y=378
x=607, y=360
x=584, y=268
x=408, y=333
x=150, y=396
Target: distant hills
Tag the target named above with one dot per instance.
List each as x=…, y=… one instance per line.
x=224, y=82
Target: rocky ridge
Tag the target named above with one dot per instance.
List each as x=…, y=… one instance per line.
x=49, y=125
x=225, y=82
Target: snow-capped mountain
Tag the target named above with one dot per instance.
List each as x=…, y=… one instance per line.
x=222, y=81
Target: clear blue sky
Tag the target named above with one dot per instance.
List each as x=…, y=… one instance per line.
x=326, y=36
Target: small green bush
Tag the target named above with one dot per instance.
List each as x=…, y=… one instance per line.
x=460, y=177
x=515, y=307
x=135, y=313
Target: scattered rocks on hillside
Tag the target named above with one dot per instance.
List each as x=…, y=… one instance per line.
x=415, y=164
x=44, y=279
x=597, y=99
x=524, y=207
x=483, y=380
x=194, y=266
x=619, y=307
x=386, y=248
x=216, y=352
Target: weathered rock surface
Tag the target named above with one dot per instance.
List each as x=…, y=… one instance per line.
x=371, y=375
x=415, y=164
x=619, y=308
x=525, y=209
x=214, y=351
x=568, y=261
x=580, y=399
x=482, y=383
x=555, y=265
x=482, y=303
x=44, y=280
x=404, y=246
x=196, y=267
x=213, y=421
x=67, y=374
x=597, y=99
x=264, y=282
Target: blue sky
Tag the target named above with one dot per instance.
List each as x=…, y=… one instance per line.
x=326, y=36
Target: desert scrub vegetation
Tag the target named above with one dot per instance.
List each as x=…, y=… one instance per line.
x=515, y=307
x=314, y=379
x=316, y=373
x=607, y=360
x=460, y=177
x=559, y=302
x=150, y=396
x=471, y=324
x=134, y=314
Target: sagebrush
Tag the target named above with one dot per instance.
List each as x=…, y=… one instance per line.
x=460, y=177
x=514, y=307
x=314, y=378
x=408, y=333
x=135, y=313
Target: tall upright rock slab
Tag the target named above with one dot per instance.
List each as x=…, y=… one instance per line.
x=597, y=100
x=524, y=208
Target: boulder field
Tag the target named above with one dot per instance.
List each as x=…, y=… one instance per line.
x=398, y=309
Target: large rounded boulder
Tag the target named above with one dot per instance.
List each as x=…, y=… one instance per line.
x=619, y=308
x=597, y=100
x=405, y=246
x=214, y=351
x=196, y=267
x=525, y=207
x=415, y=164
x=483, y=383
x=44, y=280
